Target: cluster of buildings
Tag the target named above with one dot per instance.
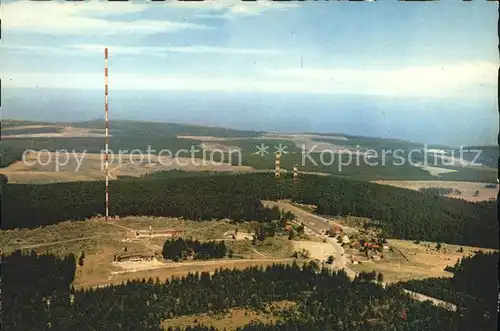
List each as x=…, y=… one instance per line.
x=368, y=245
x=356, y=259
x=134, y=257
x=168, y=233
x=376, y=248
x=142, y=256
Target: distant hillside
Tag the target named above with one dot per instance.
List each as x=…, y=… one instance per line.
x=376, y=143
x=399, y=213
x=488, y=156
x=166, y=129
x=130, y=135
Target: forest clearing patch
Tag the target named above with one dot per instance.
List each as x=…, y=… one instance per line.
x=49, y=167
x=317, y=250
x=177, y=270
x=435, y=171
x=467, y=189
x=424, y=260
x=66, y=132
x=236, y=317
x=101, y=241
x=278, y=246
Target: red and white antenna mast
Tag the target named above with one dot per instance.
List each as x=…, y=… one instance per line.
x=107, y=128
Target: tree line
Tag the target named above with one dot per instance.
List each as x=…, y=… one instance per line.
x=325, y=300
x=398, y=212
x=235, y=197
x=181, y=249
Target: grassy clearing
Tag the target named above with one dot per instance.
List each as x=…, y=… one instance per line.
x=278, y=246
x=101, y=241
x=234, y=318
x=424, y=260
x=93, y=235
x=393, y=273
x=312, y=238
x=241, y=248
x=467, y=189
x=206, y=230
x=317, y=250
x=64, y=238
x=98, y=272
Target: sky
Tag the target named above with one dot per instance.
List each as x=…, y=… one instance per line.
x=392, y=53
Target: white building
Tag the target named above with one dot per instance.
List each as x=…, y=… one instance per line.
x=345, y=239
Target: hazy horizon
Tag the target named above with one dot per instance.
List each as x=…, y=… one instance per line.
x=407, y=71
x=373, y=116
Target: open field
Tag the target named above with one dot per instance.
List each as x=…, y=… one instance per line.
x=207, y=230
x=64, y=132
x=100, y=273
x=318, y=250
x=467, y=188
x=101, y=241
x=435, y=171
x=129, y=135
x=301, y=141
x=278, y=246
x=69, y=233
x=45, y=168
x=233, y=319
x=284, y=136
x=409, y=260
x=99, y=234
x=30, y=130
x=29, y=127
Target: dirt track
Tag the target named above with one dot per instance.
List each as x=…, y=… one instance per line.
x=198, y=263
x=44, y=167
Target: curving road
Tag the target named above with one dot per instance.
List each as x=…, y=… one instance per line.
x=318, y=224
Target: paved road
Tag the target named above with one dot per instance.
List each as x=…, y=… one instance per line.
x=317, y=224
x=312, y=221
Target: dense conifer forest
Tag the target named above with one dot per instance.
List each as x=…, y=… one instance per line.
x=9, y=154
x=37, y=295
x=33, y=288
x=399, y=213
